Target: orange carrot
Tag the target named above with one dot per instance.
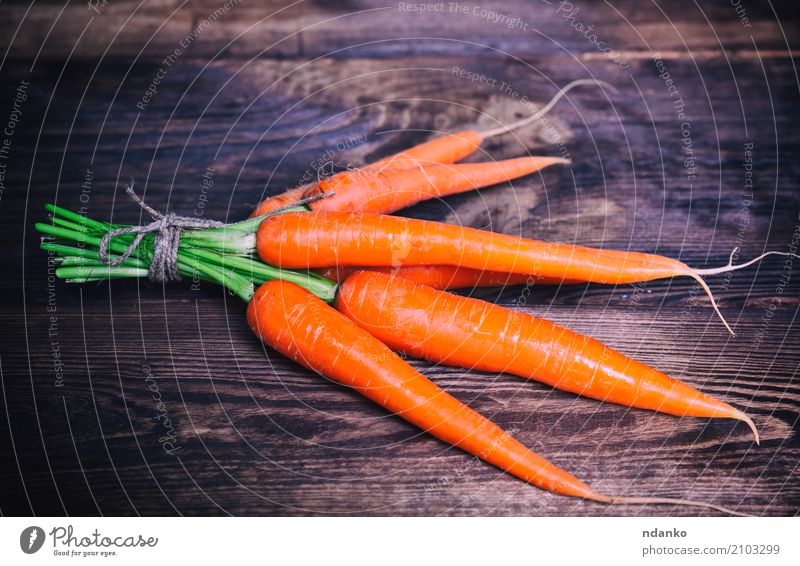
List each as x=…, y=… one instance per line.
x=303, y=240
x=382, y=189
x=304, y=328
x=449, y=148
x=444, y=276
x=461, y=331
x=279, y=201
x=378, y=190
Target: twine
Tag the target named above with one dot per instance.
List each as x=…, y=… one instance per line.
x=167, y=229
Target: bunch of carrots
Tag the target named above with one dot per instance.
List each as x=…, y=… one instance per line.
x=341, y=287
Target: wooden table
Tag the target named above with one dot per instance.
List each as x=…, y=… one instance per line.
x=689, y=164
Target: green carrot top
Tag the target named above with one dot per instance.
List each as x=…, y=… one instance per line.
x=168, y=248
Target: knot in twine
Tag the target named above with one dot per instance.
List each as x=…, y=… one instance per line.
x=167, y=228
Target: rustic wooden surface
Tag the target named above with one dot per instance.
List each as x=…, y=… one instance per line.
x=259, y=98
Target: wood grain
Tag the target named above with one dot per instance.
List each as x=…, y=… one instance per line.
x=259, y=435
x=328, y=28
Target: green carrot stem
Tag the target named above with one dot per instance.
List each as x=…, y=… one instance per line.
x=116, y=245
x=240, y=286
x=260, y=272
x=220, y=239
x=68, y=224
x=99, y=272
x=74, y=261
x=67, y=234
x=87, y=280
x=80, y=218
x=251, y=224
x=88, y=254
x=236, y=238
x=236, y=283
x=223, y=255
x=186, y=266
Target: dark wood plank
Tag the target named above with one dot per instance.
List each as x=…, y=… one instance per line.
x=259, y=141
x=370, y=28
x=249, y=423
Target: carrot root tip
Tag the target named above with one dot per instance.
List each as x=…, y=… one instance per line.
x=546, y=108
x=730, y=267
x=747, y=420
x=611, y=500
x=696, y=276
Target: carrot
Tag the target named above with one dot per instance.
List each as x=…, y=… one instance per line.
x=461, y=331
x=279, y=201
x=305, y=329
x=302, y=240
x=374, y=190
x=388, y=189
x=378, y=190
x=449, y=148
x=301, y=325
x=443, y=276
